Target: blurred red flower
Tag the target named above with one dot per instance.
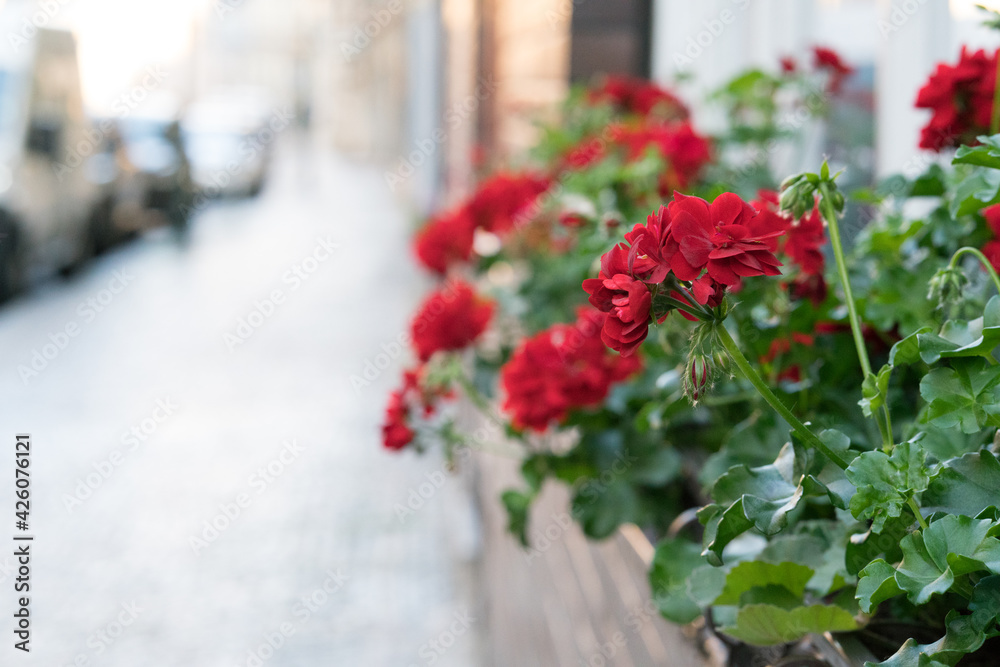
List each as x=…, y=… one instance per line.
x=828, y=60
x=638, y=96
x=502, y=200
x=449, y=319
x=413, y=395
x=446, y=239
x=960, y=98
x=685, y=151
x=559, y=369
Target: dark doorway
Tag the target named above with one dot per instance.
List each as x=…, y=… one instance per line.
x=610, y=37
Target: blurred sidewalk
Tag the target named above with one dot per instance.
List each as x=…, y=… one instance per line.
x=204, y=490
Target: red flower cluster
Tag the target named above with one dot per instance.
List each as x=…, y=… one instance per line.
x=712, y=246
x=961, y=99
x=560, y=369
x=445, y=240
x=684, y=150
x=415, y=395
x=504, y=198
x=992, y=247
x=803, y=237
x=638, y=96
x=828, y=60
x=496, y=206
x=449, y=319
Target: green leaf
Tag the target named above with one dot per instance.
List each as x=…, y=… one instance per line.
x=886, y=483
x=968, y=485
x=766, y=624
x=705, y=584
x=907, y=351
x=673, y=564
x=753, y=574
x=752, y=497
x=950, y=547
x=874, y=390
x=601, y=508
x=518, y=505
x=877, y=583
x=965, y=395
x=975, y=192
x=959, y=339
x=986, y=154
x=964, y=633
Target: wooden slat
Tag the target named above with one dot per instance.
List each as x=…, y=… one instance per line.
x=574, y=602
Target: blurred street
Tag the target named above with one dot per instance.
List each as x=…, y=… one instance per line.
x=207, y=485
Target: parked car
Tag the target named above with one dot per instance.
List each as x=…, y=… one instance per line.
x=48, y=205
x=229, y=136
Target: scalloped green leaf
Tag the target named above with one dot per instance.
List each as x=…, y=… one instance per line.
x=959, y=338
x=885, y=483
x=968, y=485
x=876, y=584
x=964, y=633
x=766, y=624
x=965, y=395
x=950, y=547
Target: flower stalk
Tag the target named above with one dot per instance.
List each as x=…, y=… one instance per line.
x=800, y=429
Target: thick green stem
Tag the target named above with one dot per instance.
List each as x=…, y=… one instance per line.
x=982, y=260
x=916, y=512
x=800, y=429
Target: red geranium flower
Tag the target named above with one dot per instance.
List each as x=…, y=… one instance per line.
x=724, y=237
x=628, y=303
x=830, y=61
x=638, y=96
x=445, y=239
x=961, y=99
x=560, y=369
x=504, y=199
x=788, y=65
x=449, y=319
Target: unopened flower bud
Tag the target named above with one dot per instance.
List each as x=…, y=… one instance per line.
x=947, y=286
x=698, y=377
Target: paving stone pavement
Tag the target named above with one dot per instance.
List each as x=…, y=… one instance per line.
x=269, y=427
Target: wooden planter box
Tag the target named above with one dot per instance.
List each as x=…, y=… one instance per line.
x=569, y=601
